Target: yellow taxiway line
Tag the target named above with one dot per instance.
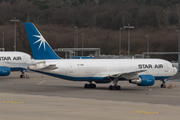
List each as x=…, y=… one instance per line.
x=145, y=112
x=10, y=102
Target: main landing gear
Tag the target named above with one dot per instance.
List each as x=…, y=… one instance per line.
x=115, y=86
x=163, y=85
x=90, y=85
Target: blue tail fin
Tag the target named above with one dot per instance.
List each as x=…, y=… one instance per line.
x=40, y=48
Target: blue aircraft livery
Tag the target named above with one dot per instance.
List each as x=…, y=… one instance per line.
x=142, y=72
x=41, y=49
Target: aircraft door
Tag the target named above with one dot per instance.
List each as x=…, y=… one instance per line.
x=165, y=67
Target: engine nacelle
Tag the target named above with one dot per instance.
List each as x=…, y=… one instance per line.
x=144, y=80
x=4, y=71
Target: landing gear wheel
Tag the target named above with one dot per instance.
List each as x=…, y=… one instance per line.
x=118, y=88
x=163, y=86
x=114, y=87
x=22, y=76
x=110, y=87
x=86, y=86
x=90, y=86
x=93, y=85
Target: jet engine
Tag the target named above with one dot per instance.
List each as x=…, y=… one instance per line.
x=144, y=80
x=4, y=71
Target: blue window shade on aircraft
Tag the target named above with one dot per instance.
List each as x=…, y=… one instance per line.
x=40, y=48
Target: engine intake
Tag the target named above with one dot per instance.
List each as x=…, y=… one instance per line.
x=144, y=80
x=4, y=71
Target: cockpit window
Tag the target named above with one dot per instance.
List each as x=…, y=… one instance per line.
x=31, y=58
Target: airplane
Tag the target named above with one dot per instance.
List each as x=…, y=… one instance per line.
x=11, y=61
x=142, y=72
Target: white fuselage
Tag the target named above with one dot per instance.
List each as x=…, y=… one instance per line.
x=15, y=60
x=86, y=69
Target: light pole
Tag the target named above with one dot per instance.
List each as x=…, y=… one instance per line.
x=178, y=41
x=74, y=43
x=3, y=40
x=147, y=46
x=14, y=20
x=129, y=27
x=77, y=38
x=74, y=40
x=178, y=50
x=120, y=42
x=82, y=43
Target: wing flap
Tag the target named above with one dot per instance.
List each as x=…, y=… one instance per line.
x=125, y=74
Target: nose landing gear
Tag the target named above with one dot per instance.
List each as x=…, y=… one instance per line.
x=22, y=74
x=163, y=85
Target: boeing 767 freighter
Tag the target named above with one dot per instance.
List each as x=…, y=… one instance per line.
x=142, y=72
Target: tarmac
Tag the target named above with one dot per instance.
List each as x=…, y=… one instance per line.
x=43, y=97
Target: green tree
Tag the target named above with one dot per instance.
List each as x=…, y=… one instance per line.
x=42, y=4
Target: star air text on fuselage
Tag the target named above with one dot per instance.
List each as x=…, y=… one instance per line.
x=150, y=66
x=7, y=58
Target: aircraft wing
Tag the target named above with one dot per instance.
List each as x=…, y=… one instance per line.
x=126, y=74
x=131, y=75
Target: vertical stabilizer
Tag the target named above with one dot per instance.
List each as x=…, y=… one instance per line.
x=40, y=48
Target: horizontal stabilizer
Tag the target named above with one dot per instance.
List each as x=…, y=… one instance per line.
x=50, y=67
x=42, y=66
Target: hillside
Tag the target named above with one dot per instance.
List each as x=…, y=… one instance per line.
x=99, y=20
